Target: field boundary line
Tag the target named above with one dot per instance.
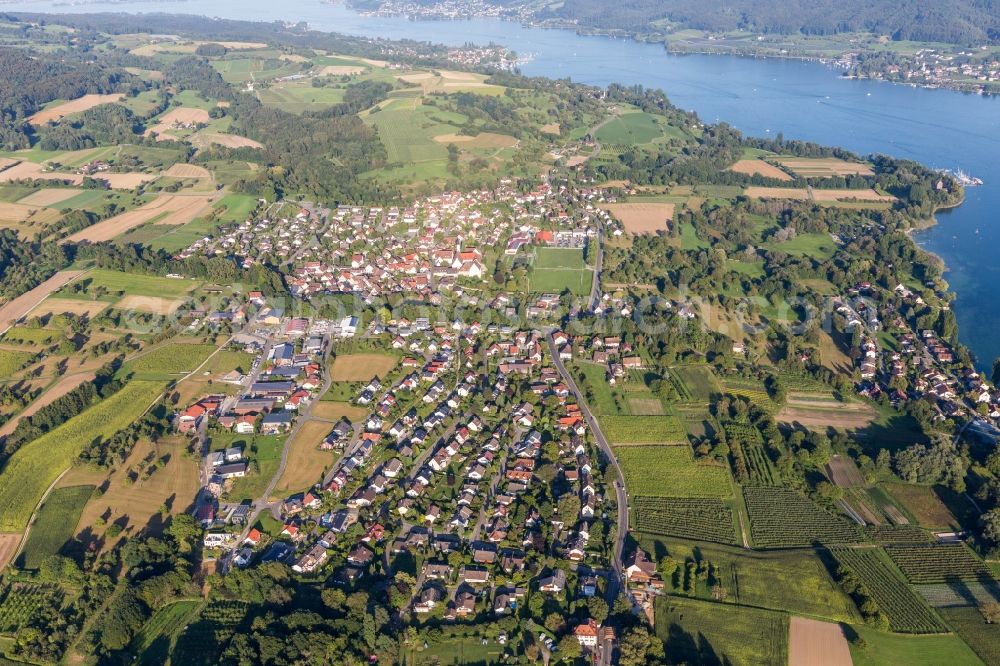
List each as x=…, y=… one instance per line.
x=34, y=515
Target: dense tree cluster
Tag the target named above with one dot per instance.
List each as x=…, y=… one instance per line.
x=31, y=82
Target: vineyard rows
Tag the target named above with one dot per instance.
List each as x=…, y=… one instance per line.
x=750, y=460
x=699, y=519
x=968, y=593
x=756, y=397
x=907, y=612
x=783, y=518
x=937, y=563
x=889, y=534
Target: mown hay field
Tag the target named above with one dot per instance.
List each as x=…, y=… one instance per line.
x=306, y=461
x=138, y=285
x=165, y=209
x=56, y=112
x=50, y=196
x=135, y=500
x=53, y=526
x=334, y=411
x=642, y=218
x=823, y=167
x=361, y=367
x=23, y=304
x=759, y=168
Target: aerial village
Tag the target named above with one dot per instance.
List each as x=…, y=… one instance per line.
x=470, y=452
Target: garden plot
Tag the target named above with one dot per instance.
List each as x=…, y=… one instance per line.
x=822, y=410
x=843, y=472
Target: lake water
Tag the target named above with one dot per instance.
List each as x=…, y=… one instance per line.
x=759, y=96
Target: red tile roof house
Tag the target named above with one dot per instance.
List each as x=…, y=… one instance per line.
x=586, y=634
x=190, y=418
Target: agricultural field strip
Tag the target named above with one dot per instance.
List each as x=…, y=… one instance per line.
x=701, y=519
x=33, y=468
x=907, y=611
x=936, y=563
x=783, y=518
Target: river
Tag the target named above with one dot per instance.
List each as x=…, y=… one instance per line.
x=803, y=100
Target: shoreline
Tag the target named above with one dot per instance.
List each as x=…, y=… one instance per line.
x=660, y=38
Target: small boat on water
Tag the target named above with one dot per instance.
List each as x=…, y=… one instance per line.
x=964, y=179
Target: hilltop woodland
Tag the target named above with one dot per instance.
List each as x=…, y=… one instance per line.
x=771, y=472
x=964, y=22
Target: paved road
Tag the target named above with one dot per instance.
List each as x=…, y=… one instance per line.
x=595, y=287
x=614, y=581
x=263, y=502
x=486, y=511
